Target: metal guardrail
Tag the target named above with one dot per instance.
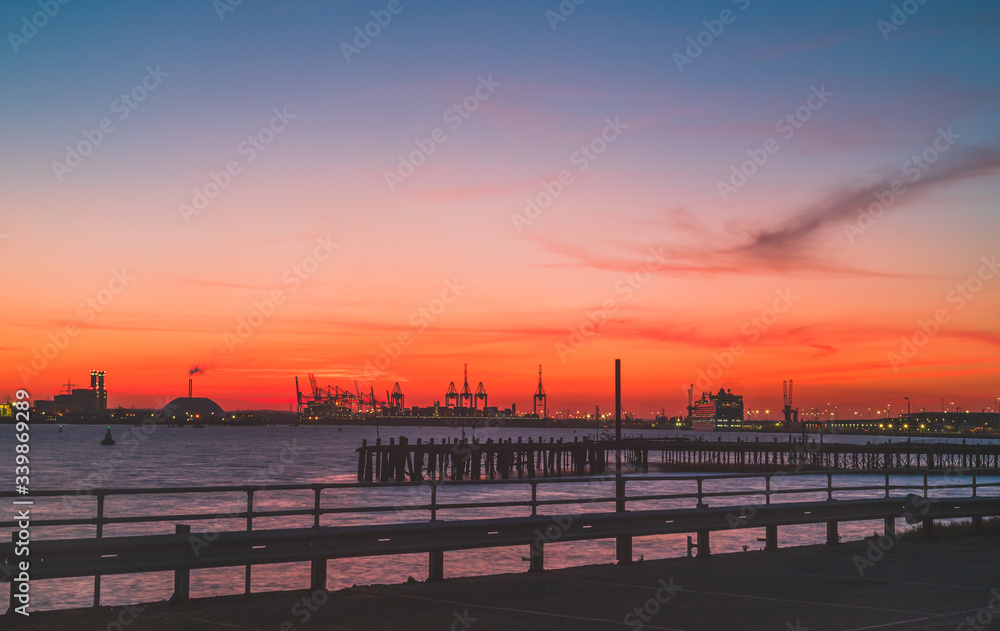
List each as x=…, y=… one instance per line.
x=100, y=555
x=433, y=506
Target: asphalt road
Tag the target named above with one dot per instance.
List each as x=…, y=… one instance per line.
x=913, y=585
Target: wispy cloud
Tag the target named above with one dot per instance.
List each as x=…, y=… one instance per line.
x=787, y=241
x=788, y=48
x=787, y=247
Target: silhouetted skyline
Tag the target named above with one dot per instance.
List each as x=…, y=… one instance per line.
x=728, y=194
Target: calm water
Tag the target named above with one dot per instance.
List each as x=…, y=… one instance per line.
x=172, y=457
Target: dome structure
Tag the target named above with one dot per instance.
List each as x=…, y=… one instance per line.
x=193, y=409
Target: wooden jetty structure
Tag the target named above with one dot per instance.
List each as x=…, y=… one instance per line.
x=475, y=460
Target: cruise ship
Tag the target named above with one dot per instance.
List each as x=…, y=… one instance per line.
x=722, y=411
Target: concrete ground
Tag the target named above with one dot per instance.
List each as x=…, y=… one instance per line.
x=912, y=585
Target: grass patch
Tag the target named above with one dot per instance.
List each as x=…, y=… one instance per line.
x=963, y=528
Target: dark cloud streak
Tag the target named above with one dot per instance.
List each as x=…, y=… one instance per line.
x=790, y=247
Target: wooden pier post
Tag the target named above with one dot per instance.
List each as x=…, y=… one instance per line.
x=417, y=472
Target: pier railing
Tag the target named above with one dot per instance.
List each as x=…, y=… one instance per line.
x=699, y=509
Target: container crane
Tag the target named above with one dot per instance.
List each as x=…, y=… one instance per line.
x=465, y=397
x=481, y=394
x=540, y=396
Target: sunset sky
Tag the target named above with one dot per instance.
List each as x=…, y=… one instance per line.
x=267, y=191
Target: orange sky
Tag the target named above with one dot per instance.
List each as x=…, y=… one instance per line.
x=573, y=199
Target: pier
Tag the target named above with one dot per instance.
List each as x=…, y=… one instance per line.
x=401, y=460
x=475, y=460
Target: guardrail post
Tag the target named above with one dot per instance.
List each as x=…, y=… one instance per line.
x=536, y=557
x=974, y=485
x=700, y=503
x=623, y=544
x=767, y=489
x=434, y=495
x=317, y=574
x=704, y=549
x=100, y=533
x=887, y=485
x=890, y=526
x=928, y=529
x=436, y=566
x=832, y=536
x=249, y=571
x=829, y=486
x=316, y=505
x=534, y=498
x=317, y=570
x=977, y=525
x=182, y=577
x=771, y=537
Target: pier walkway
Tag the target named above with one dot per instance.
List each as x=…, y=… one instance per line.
x=505, y=459
x=915, y=584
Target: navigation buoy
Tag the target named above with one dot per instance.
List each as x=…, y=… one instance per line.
x=108, y=440
x=60, y=427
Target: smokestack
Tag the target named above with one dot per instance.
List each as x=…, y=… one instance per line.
x=190, y=388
